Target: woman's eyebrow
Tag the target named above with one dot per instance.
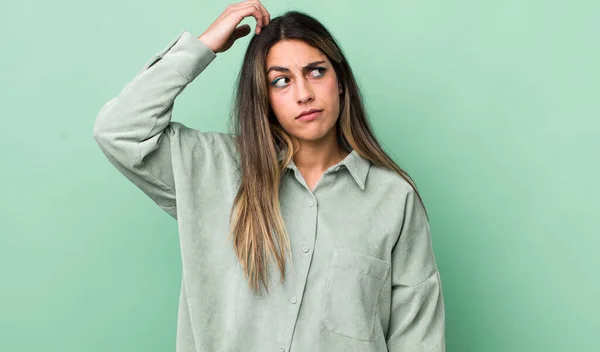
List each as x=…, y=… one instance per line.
x=284, y=69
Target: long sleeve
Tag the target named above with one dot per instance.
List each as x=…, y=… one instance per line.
x=134, y=128
x=417, y=319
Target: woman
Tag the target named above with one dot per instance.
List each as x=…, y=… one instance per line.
x=302, y=183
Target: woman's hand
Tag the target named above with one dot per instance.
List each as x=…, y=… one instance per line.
x=221, y=35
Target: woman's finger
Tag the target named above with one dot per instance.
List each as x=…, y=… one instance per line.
x=266, y=13
x=258, y=11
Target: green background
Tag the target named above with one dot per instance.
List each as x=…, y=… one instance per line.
x=492, y=107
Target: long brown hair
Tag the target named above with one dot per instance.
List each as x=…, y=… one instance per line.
x=257, y=228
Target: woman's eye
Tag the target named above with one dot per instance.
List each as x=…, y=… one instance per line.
x=278, y=80
x=321, y=71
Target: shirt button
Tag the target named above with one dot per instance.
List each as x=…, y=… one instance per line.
x=311, y=203
x=282, y=349
x=305, y=249
x=293, y=299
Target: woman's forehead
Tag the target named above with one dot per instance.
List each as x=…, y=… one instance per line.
x=293, y=54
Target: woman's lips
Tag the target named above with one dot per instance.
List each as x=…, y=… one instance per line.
x=310, y=117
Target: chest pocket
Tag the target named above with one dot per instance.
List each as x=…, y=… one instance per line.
x=354, y=282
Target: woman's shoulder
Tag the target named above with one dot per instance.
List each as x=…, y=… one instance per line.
x=206, y=141
x=388, y=180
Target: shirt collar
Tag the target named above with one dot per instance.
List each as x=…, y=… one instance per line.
x=354, y=162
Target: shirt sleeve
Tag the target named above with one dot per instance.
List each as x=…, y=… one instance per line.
x=134, y=129
x=417, y=317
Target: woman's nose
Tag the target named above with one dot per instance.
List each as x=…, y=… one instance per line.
x=304, y=91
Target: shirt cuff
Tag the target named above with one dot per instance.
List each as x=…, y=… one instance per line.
x=187, y=54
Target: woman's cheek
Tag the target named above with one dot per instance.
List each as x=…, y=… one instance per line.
x=278, y=106
x=275, y=104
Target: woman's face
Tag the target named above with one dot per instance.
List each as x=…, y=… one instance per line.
x=300, y=77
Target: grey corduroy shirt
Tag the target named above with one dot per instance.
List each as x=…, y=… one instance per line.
x=364, y=276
